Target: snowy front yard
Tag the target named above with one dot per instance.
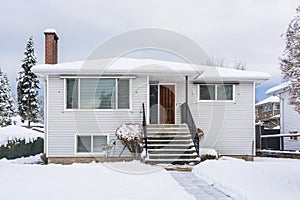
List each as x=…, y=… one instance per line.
x=265, y=178
x=130, y=180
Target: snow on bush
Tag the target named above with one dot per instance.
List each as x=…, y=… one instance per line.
x=130, y=136
x=14, y=133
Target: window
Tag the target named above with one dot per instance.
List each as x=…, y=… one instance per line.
x=95, y=93
x=72, y=93
x=84, y=144
x=277, y=106
x=207, y=92
x=123, y=93
x=267, y=107
x=91, y=143
x=224, y=92
x=216, y=92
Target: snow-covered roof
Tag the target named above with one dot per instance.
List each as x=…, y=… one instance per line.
x=271, y=99
x=278, y=88
x=132, y=66
x=226, y=74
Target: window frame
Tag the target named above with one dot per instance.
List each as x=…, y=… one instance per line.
x=92, y=144
x=216, y=92
x=95, y=109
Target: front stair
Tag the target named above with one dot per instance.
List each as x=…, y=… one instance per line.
x=170, y=143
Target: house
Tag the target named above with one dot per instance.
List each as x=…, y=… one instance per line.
x=289, y=117
x=86, y=101
x=268, y=112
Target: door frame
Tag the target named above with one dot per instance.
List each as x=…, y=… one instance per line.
x=158, y=107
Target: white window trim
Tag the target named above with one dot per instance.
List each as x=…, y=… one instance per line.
x=92, y=144
x=98, y=110
x=216, y=93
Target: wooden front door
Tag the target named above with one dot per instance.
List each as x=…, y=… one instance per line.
x=167, y=104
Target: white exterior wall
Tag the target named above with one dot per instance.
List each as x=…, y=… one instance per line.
x=64, y=125
x=228, y=126
x=290, y=122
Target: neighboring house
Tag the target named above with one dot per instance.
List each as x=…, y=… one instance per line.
x=268, y=111
x=86, y=101
x=290, y=118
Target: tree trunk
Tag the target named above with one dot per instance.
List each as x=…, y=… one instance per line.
x=28, y=125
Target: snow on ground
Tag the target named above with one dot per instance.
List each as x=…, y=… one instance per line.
x=88, y=181
x=15, y=132
x=208, y=151
x=27, y=160
x=265, y=178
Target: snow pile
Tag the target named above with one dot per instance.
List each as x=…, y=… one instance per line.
x=27, y=160
x=265, y=177
x=92, y=181
x=13, y=133
x=208, y=152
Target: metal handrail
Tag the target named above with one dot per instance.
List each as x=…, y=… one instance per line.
x=145, y=130
x=187, y=117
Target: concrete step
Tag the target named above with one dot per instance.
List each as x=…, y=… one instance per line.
x=173, y=161
x=168, y=133
x=173, y=156
x=160, y=130
x=169, y=146
x=170, y=141
x=166, y=125
x=172, y=151
x=170, y=137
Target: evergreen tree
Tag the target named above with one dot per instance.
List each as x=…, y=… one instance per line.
x=7, y=103
x=290, y=60
x=27, y=86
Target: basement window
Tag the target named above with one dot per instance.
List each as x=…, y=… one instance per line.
x=90, y=143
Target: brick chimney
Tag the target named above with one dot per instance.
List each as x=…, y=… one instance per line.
x=51, y=40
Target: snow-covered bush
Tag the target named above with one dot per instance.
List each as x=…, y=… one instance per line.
x=21, y=148
x=130, y=136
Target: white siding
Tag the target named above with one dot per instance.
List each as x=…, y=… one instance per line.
x=63, y=125
x=228, y=126
x=290, y=122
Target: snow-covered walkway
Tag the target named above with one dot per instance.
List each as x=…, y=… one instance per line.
x=197, y=187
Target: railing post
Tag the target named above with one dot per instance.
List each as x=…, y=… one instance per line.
x=145, y=130
x=186, y=95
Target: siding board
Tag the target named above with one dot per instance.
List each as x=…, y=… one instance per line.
x=65, y=124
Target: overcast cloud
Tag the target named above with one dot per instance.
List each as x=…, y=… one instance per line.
x=247, y=31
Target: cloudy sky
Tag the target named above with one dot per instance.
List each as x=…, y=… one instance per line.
x=233, y=30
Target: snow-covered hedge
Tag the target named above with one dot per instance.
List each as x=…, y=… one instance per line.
x=17, y=141
x=21, y=148
x=130, y=136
